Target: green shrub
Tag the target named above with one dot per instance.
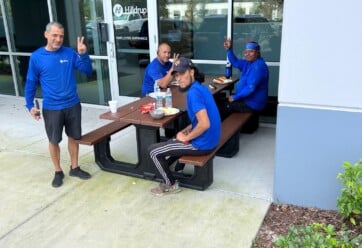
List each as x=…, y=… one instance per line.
x=318, y=235
x=350, y=203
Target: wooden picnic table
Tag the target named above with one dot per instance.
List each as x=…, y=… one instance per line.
x=147, y=132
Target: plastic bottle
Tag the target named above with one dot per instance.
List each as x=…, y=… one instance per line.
x=155, y=87
x=168, y=98
x=158, y=98
x=228, y=70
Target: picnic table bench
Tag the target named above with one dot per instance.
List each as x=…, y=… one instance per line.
x=104, y=132
x=203, y=164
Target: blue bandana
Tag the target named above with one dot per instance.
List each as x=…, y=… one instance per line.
x=252, y=46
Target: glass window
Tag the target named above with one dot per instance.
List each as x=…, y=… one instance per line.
x=209, y=37
x=207, y=21
x=19, y=13
x=79, y=18
x=95, y=89
x=258, y=21
x=194, y=28
x=3, y=44
x=6, y=79
x=179, y=34
x=21, y=69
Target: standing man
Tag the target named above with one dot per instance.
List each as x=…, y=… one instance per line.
x=159, y=70
x=200, y=139
x=251, y=93
x=52, y=66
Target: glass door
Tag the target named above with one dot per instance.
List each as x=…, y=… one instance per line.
x=131, y=41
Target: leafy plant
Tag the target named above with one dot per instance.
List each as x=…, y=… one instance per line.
x=318, y=235
x=350, y=202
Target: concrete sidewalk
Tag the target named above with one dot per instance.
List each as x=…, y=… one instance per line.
x=112, y=210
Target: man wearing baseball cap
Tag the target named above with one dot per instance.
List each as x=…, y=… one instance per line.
x=201, y=138
x=251, y=92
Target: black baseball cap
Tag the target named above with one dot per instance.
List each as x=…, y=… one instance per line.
x=182, y=65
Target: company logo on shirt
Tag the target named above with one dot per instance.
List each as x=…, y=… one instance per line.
x=63, y=61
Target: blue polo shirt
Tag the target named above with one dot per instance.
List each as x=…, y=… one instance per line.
x=154, y=71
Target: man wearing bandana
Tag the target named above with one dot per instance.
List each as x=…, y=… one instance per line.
x=251, y=92
x=200, y=139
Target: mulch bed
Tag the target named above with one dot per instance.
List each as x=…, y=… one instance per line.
x=280, y=217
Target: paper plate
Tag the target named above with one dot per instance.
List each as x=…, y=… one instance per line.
x=153, y=94
x=170, y=111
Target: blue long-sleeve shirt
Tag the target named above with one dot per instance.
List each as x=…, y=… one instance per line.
x=54, y=70
x=253, y=83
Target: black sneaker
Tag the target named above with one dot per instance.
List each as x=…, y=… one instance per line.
x=58, y=179
x=78, y=172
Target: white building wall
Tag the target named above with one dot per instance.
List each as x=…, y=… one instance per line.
x=319, y=121
x=321, y=62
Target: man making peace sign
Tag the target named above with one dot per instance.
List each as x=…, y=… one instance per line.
x=52, y=67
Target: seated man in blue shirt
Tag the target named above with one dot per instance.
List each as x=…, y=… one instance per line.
x=205, y=130
x=159, y=70
x=251, y=92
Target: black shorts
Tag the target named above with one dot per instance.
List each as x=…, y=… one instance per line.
x=69, y=118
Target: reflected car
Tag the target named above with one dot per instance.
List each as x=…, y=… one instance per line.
x=128, y=23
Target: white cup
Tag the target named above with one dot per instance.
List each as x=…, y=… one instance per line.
x=113, y=104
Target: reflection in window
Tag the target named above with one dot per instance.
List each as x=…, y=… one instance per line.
x=207, y=27
x=6, y=79
x=258, y=27
x=94, y=89
x=179, y=34
x=93, y=15
x=182, y=26
x=21, y=69
x=3, y=45
x=258, y=21
x=209, y=37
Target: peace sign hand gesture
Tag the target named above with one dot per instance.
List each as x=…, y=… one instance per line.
x=81, y=47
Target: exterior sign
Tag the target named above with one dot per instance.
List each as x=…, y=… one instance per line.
x=118, y=10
